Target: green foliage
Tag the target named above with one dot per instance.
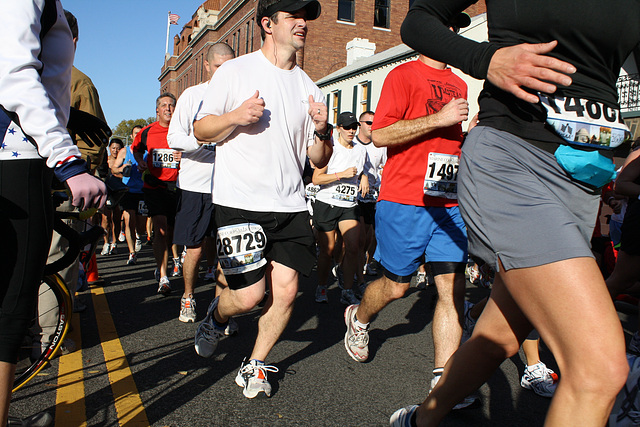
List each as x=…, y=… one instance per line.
x=123, y=130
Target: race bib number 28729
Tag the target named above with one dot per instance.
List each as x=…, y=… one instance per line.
x=240, y=247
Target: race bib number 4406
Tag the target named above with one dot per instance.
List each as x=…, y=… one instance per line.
x=584, y=122
x=240, y=248
x=441, y=179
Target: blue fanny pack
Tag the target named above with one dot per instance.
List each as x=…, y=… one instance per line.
x=589, y=167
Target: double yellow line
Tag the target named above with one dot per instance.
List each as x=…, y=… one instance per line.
x=70, y=398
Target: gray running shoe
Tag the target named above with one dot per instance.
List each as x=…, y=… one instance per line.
x=207, y=335
x=138, y=245
x=348, y=297
x=469, y=323
x=164, y=287
x=321, y=294
x=187, y=309
x=253, y=378
x=211, y=274
x=232, y=327
x=542, y=380
x=156, y=274
x=402, y=417
x=356, y=340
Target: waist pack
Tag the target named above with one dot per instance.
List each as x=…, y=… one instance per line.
x=590, y=167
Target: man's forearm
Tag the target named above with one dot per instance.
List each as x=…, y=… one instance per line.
x=214, y=128
x=320, y=152
x=404, y=131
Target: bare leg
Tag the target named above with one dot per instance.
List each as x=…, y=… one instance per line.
x=377, y=296
x=447, y=327
x=7, y=374
x=326, y=242
x=584, y=336
x=190, y=269
x=160, y=242
x=350, y=230
x=129, y=229
x=277, y=311
x=531, y=353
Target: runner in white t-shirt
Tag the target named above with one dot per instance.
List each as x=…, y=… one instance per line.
x=262, y=110
x=194, y=216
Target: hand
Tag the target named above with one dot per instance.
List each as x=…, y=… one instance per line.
x=319, y=113
x=142, y=165
x=456, y=111
x=616, y=205
x=364, y=186
x=177, y=155
x=87, y=191
x=526, y=65
x=250, y=111
x=473, y=123
x=348, y=173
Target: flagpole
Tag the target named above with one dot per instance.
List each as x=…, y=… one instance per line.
x=166, y=51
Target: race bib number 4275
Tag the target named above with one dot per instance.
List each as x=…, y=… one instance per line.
x=240, y=248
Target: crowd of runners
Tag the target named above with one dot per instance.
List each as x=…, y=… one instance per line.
x=247, y=171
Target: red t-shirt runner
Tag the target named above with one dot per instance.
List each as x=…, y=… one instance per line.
x=420, y=173
x=160, y=160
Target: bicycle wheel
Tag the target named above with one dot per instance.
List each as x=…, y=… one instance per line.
x=50, y=325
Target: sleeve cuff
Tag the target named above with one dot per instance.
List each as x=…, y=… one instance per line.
x=69, y=169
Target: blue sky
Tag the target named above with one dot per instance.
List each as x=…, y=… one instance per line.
x=121, y=48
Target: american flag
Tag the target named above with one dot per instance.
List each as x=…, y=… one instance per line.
x=173, y=18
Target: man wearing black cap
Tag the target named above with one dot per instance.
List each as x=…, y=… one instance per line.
x=418, y=119
x=265, y=115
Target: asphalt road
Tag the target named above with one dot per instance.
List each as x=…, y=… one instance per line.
x=318, y=384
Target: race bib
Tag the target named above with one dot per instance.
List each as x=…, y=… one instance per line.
x=311, y=190
x=241, y=248
x=441, y=179
x=142, y=208
x=346, y=192
x=163, y=158
x=584, y=122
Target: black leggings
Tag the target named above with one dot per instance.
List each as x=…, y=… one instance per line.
x=25, y=229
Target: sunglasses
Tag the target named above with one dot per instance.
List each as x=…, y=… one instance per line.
x=352, y=127
x=369, y=122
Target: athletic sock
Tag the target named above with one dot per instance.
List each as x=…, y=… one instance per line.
x=359, y=324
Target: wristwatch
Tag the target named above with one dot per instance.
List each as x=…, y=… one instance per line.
x=325, y=136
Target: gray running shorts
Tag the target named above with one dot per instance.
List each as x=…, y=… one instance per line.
x=519, y=205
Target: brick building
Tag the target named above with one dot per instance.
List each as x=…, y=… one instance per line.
x=345, y=31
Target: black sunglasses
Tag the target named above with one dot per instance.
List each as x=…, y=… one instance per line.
x=369, y=122
x=351, y=127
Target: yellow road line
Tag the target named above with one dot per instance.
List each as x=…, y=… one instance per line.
x=125, y=393
x=70, y=403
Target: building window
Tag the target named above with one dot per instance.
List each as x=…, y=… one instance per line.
x=246, y=39
x=365, y=97
x=381, y=14
x=335, y=105
x=346, y=10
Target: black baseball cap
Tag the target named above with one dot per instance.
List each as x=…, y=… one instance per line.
x=312, y=7
x=347, y=119
x=462, y=20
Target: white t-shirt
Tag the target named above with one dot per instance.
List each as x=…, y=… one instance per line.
x=376, y=158
x=343, y=193
x=196, y=166
x=259, y=167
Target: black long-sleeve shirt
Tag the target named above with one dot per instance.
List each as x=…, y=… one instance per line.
x=596, y=36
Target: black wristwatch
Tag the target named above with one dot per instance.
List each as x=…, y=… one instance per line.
x=325, y=136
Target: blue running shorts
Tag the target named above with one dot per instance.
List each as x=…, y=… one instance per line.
x=406, y=232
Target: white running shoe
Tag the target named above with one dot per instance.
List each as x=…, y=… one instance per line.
x=105, y=249
x=207, y=335
x=321, y=294
x=133, y=259
x=138, y=245
x=187, y=309
x=542, y=380
x=113, y=249
x=164, y=286
x=348, y=297
x=356, y=340
x=232, y=327
x=421, y=280
x=183, y=255
x=402, y=417
x=121, y=237
x=252, y=376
